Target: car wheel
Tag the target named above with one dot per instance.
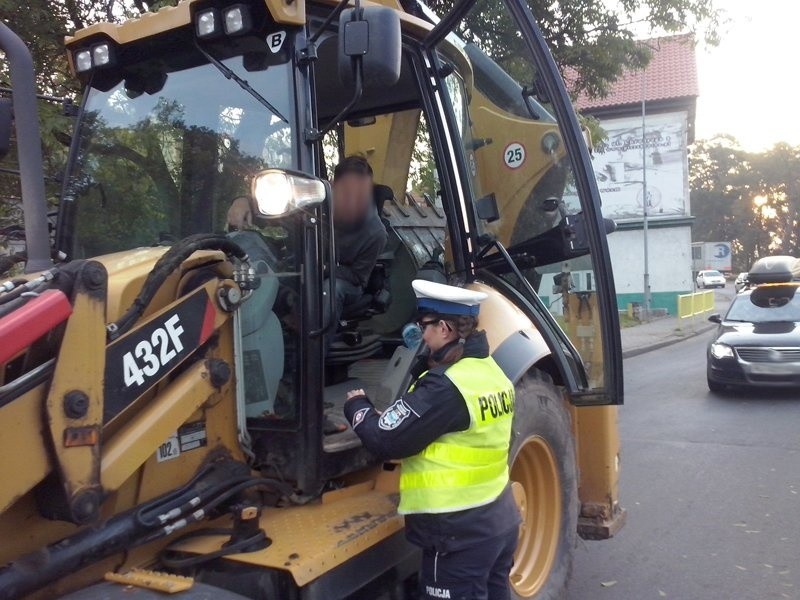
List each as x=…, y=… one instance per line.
x=715, y=386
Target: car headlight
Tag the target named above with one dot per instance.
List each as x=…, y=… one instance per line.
x=721, y=350
x=277, y=192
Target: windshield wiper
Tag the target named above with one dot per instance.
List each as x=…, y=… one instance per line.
x=229, y=74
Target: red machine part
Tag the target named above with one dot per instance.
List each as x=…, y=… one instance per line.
x=31, y=321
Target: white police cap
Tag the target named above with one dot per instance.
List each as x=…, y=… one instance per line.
x=446, y=299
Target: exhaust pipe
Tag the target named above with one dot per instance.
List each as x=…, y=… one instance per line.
x=29, y=149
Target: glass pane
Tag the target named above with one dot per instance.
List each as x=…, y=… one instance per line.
x=156, y=167
x=515, y=157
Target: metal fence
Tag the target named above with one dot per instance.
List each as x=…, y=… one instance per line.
x=690, y=305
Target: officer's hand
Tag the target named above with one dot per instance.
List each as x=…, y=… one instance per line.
x=240, y=215
x=355, y=394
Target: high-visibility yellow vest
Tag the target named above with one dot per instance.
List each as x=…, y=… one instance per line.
x=468, y=468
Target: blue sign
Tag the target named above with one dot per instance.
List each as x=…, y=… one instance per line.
x=721, y=250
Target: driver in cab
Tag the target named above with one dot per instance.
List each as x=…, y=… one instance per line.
x=452, y=430
x=359, y=233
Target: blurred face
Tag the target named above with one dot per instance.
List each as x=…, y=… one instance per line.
x=436, y=333
x=352, y=198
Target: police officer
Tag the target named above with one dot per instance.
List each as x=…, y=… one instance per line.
x=452, y=431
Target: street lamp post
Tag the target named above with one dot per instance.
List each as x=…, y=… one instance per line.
x=646, y=303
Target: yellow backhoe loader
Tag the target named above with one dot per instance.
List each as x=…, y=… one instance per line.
x=171, y=391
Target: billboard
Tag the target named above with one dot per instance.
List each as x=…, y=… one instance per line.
x=618, y=167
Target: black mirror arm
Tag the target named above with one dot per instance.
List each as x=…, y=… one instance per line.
x=326, y=23
x=314, y=135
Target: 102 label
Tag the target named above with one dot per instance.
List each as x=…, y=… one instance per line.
x=150, y=356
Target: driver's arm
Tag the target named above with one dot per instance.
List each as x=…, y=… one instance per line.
x=240, y=213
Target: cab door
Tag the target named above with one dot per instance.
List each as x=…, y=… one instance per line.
x=530, y=209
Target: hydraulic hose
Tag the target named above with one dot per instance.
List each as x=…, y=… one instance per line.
x=125, y=530
x=168, y=263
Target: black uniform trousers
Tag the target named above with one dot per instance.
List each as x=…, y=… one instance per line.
x=478, y=572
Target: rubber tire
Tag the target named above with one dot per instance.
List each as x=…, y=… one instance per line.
x=541, y=410
x=715, y=386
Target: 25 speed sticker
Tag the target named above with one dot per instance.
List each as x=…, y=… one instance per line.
x=514, y=155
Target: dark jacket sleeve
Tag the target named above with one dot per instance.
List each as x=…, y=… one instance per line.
x=434, y=408
x=359, y=270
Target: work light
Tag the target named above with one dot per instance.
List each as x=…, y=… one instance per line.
x=278, y=192
x=207, y=24
x=101, y=55
x=83, y=60
x=237, y=20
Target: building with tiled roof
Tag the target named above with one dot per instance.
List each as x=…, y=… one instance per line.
x=670, y=80
x=642, y=166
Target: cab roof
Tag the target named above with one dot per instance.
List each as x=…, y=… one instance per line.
x=286, y=12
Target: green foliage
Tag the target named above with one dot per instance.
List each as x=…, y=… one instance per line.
x=592, y=41
x=751, y=199
x=423, y=177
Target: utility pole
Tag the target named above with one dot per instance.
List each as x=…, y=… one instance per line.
x=645, y=202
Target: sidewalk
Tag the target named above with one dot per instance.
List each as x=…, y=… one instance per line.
x=670, y=330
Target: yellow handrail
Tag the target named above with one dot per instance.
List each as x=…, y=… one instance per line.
x=690, y=305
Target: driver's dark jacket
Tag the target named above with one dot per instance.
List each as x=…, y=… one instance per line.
x=436, y=407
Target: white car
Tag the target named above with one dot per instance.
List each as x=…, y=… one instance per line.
x=710, y=279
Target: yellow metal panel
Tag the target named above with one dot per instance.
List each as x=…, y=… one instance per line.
x=79, y=372
x=152, y=580
x=310, y=540
x=511, y=187
x=500, y=318
x=387, y=145
x=22, y=432
x=140, y=438
x=598, y=461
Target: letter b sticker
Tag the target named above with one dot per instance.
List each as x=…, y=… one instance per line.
x=275, y=41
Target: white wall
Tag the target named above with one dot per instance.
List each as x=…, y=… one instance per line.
x=670, y=259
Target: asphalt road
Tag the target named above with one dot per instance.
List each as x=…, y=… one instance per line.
x=712, y=488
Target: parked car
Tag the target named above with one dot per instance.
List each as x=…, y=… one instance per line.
x=757, y=342
x=710, y=279
x=741, y=282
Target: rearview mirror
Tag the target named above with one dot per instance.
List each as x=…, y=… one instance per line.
x=371, y=36
x=6, y=121
x=715, y=318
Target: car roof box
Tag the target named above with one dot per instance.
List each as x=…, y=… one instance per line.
x=774, y=269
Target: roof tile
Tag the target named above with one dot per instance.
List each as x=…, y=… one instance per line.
x=671, y=73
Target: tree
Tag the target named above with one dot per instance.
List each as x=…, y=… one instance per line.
x=592, y=42
x=43, y=25
x=751, y=199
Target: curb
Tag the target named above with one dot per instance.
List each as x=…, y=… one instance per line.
x=658, y=345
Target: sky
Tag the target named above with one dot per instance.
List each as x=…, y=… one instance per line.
x=750, y=83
